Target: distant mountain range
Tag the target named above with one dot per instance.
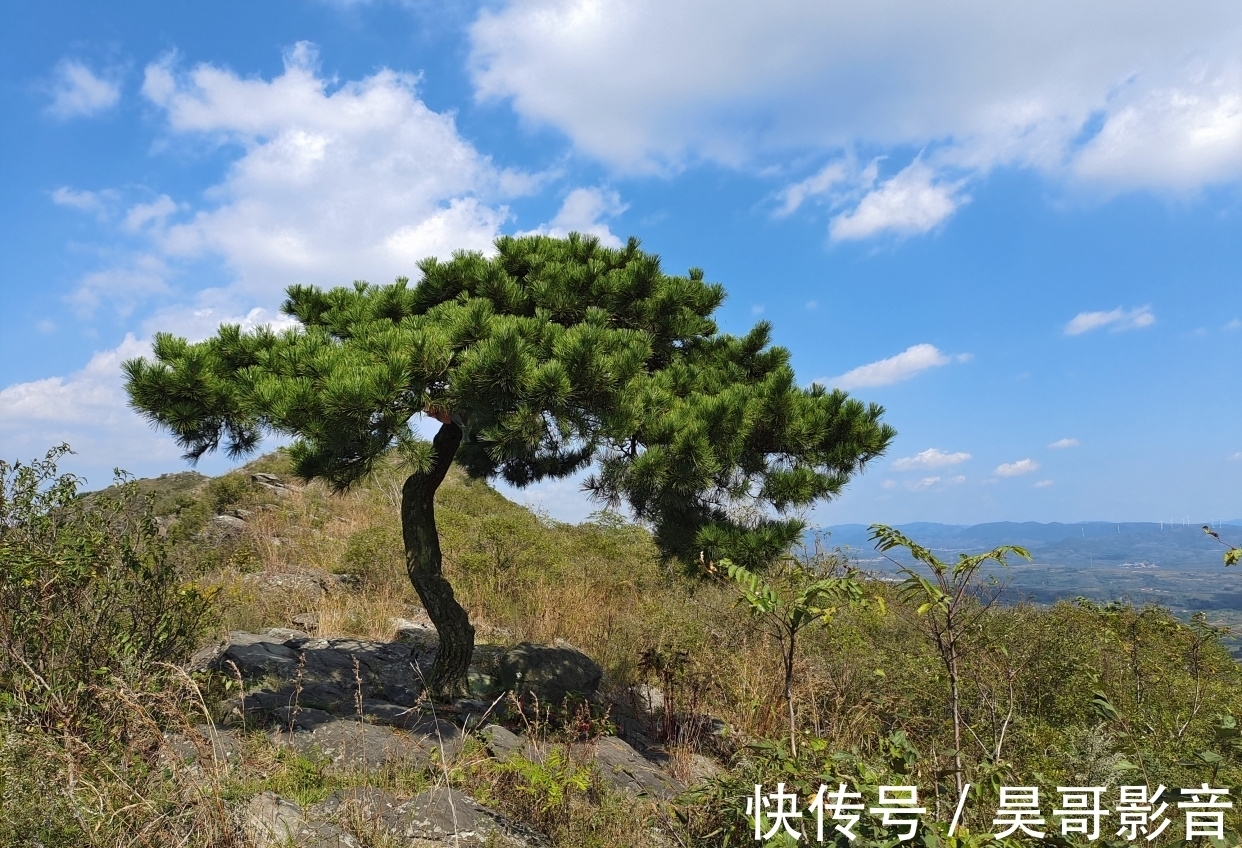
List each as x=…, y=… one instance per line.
x=1087, y=543
x=1178, y=566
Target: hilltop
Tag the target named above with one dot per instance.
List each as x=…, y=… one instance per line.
x=277, y=724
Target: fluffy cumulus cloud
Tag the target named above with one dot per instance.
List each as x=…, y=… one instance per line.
x=1115, y=320
x=911, y=361
x=909, y=203
x=926, y=483
x=328, y=182
x=87, y=409
x=1016, y=469
x=78, y=399
x=1113, y=93
x=335, y=182
x=77, y=91
x=930, y=458
x=584, y=211
x=1174, y=137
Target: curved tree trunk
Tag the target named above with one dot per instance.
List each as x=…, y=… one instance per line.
x=423, y=561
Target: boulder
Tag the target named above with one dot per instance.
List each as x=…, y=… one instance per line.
x=625, y=770
x=336, y=672
x=448, y=817
x=274, y=822
x=351, y=744
x=273, y=484
x=306, y=621
x=205, y=745
x=421, y=636
x=310, y=586
x=225, y=526
x=548, y=672
x=648, y=699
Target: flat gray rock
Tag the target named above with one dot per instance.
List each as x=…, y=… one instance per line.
x=274, y=822
x=434, y=818
x=624, y=769
x=204, y=745
x=351, y=744
x=448, y=817
x=331, y=673
x=366, y=801
x=502, y=742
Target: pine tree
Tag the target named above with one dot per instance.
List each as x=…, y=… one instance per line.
x=539, y=361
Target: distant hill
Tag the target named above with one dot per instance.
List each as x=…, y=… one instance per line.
x=1086, y=543
x=1176, y=566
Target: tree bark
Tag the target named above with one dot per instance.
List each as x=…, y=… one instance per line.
x=423, y=562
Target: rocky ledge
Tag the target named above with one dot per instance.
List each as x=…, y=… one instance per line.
x=357, y=704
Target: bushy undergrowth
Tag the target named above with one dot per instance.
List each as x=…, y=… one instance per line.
x=1072, y=694
x=89, y=596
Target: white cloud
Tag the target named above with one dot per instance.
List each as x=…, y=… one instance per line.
x=909, y=203
x=645, y=85
x=1175, y=138
x=122, y=286
x=1234, y=324
x=77, y=91
x=817, y=185
x=1064, y=443
x=563, y=498
x=583, y=211
x=89, y=395
x=335, y=182
x=89, y=408
x=1116, y=319
x=927, y=482
x=1236, y=456
x=331, y=182
x=903, y=366
x=154, y=213
x=86, y=201
x=1014, y=469
x=930, y=458
x=1043, y=484
x=203, y=319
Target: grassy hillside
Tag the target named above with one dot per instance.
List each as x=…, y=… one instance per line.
x=1072, y=694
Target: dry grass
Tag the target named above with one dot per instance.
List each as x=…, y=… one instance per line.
x=522, y=577
x=598, y=586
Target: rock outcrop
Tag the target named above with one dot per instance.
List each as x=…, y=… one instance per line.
x=354, y=705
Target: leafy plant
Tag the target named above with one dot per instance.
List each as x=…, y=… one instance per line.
x=787, y=601
x=950, y=604
x=87, y=594
x=546, y=784
x=1233, y=555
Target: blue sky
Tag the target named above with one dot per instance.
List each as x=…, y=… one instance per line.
x=1020, y=230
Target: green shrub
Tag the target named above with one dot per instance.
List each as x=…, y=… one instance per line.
x=88, y=596
x=374, y=555
x=229, y=490
x=541, y=790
